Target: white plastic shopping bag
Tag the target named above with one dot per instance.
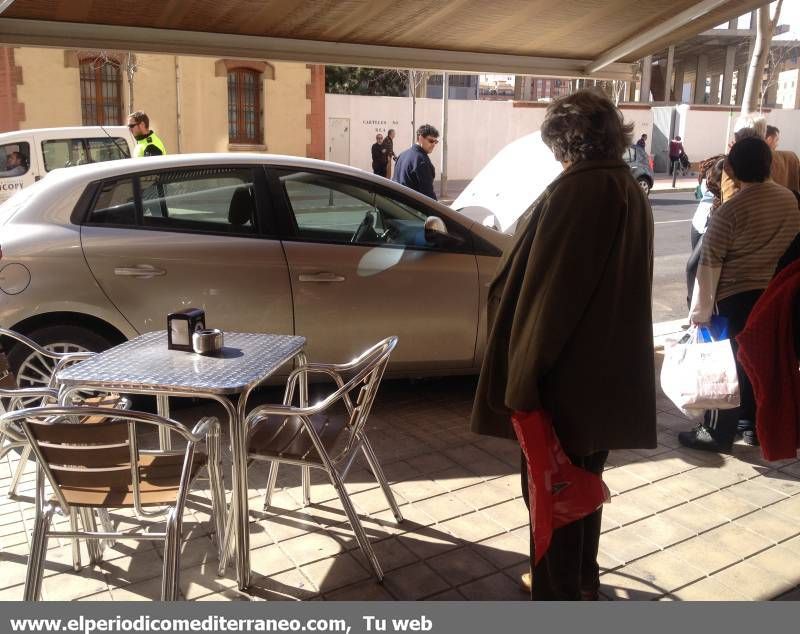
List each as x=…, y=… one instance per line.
x=698, y=375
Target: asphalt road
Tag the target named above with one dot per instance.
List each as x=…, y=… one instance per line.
x=672, y=214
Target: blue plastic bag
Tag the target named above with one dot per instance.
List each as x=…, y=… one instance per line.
x=716, y=330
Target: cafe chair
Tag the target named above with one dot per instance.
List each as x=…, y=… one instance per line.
x=101, y=466
x=323, y=436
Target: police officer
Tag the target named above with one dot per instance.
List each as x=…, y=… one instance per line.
x=147, y=141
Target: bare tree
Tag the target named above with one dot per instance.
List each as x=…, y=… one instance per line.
x=126, y=62
x=755, y=73
x=776, y=59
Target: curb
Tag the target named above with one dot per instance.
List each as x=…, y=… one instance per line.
x=670, y=189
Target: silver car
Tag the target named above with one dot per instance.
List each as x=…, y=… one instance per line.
x=96, y=254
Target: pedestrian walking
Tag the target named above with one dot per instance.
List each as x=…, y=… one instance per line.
x=745, y=238
x=676, y=152
x=378, y=156
x=388, y=147
x=148, y=142
x=570, y=323
x=414, y=168
x=642, y=142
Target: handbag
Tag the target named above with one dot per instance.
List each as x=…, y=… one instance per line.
x=699, y=373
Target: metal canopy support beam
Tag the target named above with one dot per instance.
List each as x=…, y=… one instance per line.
x=103, y=37
x=651, y=35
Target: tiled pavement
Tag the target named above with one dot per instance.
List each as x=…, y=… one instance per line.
x=681, y=525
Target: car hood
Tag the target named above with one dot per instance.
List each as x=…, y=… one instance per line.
x=509, y=183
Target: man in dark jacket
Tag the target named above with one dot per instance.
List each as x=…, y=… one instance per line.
x=378, y=156
x=414, y=168
x=388, y=150
x=570, y=323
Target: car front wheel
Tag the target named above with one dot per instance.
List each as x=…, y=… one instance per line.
x=33, y=369
x=644, y=183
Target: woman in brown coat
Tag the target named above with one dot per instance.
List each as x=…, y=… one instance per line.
x=570, y=325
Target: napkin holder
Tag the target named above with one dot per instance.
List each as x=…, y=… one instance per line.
x=182, y=325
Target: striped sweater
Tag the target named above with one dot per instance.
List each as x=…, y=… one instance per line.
x=745, y=238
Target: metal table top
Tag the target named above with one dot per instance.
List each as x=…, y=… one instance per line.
x=145, y=363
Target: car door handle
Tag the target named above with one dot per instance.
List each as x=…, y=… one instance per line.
x=320, y=277
x=143, y=271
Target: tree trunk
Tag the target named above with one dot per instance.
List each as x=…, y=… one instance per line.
x=130, y=70
x=755, y=73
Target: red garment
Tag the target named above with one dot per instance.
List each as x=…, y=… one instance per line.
x=675, y=148
x=559, y=492
x=766, y=352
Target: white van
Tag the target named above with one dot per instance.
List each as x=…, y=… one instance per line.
x=28, y=155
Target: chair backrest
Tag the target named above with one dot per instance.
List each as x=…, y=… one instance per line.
x=367, y=371
x=62, y=359
x=103, y=455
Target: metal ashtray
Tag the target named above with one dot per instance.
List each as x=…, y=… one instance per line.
x=208, y=341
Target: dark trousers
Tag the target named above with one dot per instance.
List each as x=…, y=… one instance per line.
x=569, y=570
x=691, y=264
x=380, y=170
x=722, y=423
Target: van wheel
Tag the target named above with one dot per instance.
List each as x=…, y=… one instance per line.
x=644, y=183
x=33, y=369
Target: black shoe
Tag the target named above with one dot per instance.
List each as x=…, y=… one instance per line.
x=743, y=425
x=750, y=438
x=701, y=438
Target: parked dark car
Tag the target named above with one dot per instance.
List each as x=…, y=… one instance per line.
x=641, y=167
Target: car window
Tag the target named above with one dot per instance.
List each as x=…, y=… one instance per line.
x=629, y=155
x=64, y=153
x=208, y=199
x=331, y=209
x=115, y=204
x=15, y=159
x=107, y=149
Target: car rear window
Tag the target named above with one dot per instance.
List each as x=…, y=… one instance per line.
x=115, y=204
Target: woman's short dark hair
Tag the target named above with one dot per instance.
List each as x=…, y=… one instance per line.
x=585, y=126
x=751, y=160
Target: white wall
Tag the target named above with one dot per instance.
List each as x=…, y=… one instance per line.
x=476, y=130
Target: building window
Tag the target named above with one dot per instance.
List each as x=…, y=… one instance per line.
x=244, y=106
x=101, y=92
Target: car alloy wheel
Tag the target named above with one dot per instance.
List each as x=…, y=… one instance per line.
x=35, y=370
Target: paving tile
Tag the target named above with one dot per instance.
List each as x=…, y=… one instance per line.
x=367, y=590
x=782, y=482
x=430, y=462
x=314, y=546
x=421, y=488
x=505, y=549
x=448, y=595
x=472, y=528
x=696, y=518
x=756, y=492
x=726, y=504
x=737, y=540
x=510, y=515
x=69, y=586
x=779, y=561
x=625, y=545
x=663, y=572
x=717, y=476
x=482, y=495
x=789, y=507
x=290, y=585
x=707, y=589
x=391, y=554
x=792, y=595
x=140, y=567
x=705, y=554
x=659, y=467
x=203, y=580
x=621, y=479
x=443, y=507
x=269, y=560
x=414, y=582
x=459, y=477
x=335, y=572
x=625, y=584
x=429, y=542
x=461, y=566
x=771, y=526
x=681, y=487
x=661, y=530
x=497, y=587
x=754, y=582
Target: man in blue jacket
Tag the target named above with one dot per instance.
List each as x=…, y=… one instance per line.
x=414, y=168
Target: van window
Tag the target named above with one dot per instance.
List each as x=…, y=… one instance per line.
x=15, y=159
x=69, y=152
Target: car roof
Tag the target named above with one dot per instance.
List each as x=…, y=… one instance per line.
x=61, y=183
x=64, y=132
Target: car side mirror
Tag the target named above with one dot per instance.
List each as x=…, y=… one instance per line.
x=436, y=233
